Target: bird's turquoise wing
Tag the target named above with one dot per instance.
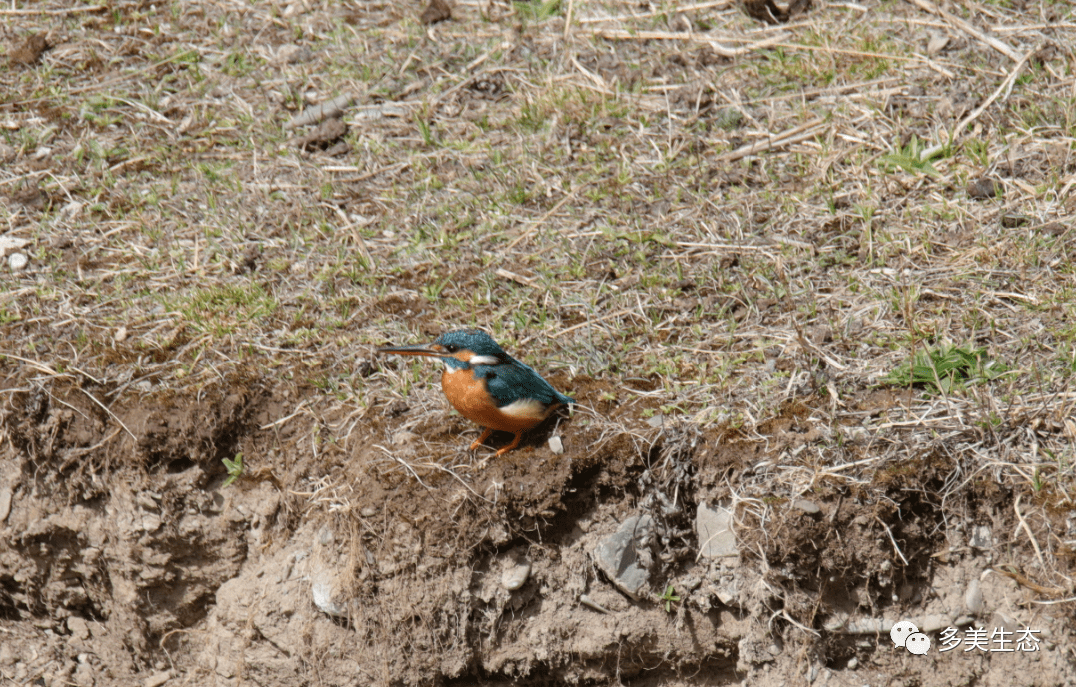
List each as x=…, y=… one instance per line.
x=514, y=381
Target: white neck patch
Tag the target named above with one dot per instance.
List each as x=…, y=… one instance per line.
x=483, y=360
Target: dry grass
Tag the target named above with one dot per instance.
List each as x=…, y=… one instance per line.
x=742, y=216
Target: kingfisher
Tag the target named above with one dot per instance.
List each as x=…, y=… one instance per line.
x=488, y=386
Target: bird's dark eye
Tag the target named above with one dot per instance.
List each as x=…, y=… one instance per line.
x=451, y=348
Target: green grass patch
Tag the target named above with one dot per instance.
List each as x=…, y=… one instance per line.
x=946, y=369
x=227, y=308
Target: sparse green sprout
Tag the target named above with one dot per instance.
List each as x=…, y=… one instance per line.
x=235, y=468
x=425, y=130
x=978, y=150
x=537, y=10
x=914, y=158
x=947, y=368
x=669, y=597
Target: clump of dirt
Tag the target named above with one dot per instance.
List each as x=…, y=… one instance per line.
x=126, y=538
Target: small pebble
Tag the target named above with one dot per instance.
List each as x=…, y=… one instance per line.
x=325, y=535
x=556, y=445
x=973, y=598
x=72, y=209
x=984, y=188
x=809, y=507
x=158, y=679
x=980, y=537
x=17, y=261
x=5, y=502
x=934, y=622
x=937, y=43
x=516, y=576
x=151, y=522
x=591, y=603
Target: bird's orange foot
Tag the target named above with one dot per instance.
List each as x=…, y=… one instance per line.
x=481, y=440
x=509, y=447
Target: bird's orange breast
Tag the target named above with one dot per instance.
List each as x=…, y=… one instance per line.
x=469, y=396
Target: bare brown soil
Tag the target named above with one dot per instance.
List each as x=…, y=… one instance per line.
x=159, y=569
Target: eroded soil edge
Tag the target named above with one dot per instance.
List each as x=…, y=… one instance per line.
x=366, y=547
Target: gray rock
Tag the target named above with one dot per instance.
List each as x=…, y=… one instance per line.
x=981, y=537
x=933, y=623
x=841, y=622
x=158, y=679
x=517, y=572
x=625, y=556
x=323, y=589
x=809, y=507
x=151, y=522
x=591, y=603
x=728, y=593
x=325, y=535
x=689, y=584
x=5, y=502
x=937, y=43
x=8, y=244
x=984, y=188
x=973, y=598
x=717, y=538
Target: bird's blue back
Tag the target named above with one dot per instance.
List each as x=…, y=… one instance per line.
x=513, y=381
x=509, y=380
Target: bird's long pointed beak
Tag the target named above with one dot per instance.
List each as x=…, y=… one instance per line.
x=421, y=349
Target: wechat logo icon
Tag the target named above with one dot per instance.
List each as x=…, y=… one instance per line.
x=907, y=635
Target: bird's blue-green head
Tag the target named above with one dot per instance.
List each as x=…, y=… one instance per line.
x=459, y=349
